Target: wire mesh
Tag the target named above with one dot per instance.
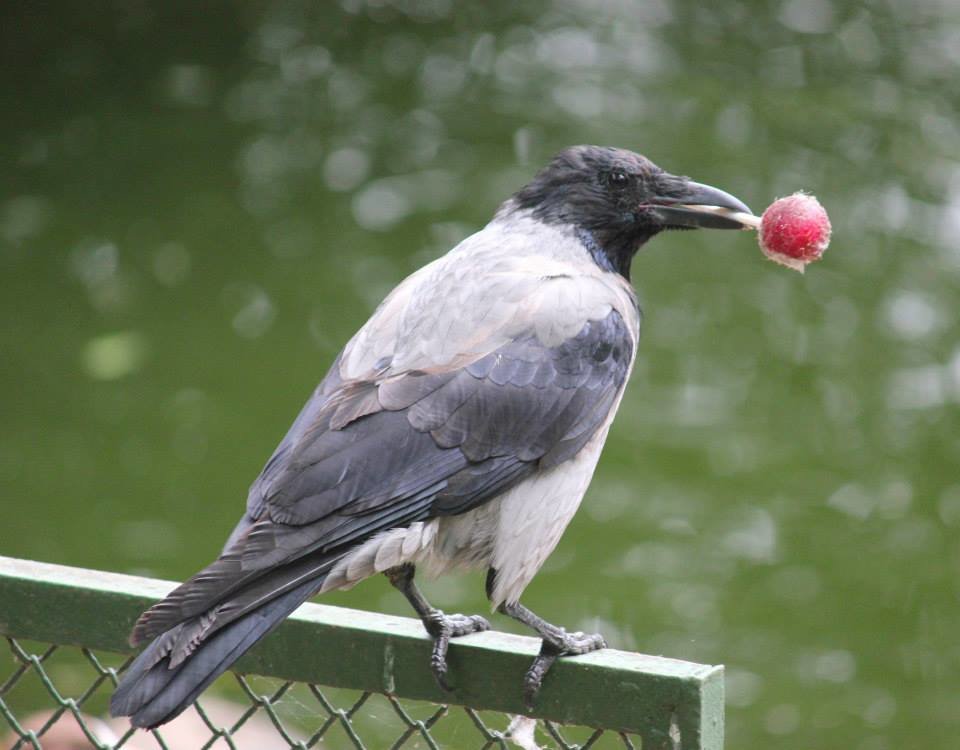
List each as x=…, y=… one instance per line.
x=55, y=697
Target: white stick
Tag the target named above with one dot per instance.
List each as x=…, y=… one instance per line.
x=749, y=221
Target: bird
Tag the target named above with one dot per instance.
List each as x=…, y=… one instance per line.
x=458, y=429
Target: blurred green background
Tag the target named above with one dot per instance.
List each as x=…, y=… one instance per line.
x=200, y=203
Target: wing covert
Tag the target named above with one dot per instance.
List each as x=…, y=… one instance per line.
x=431, y=444
x=523, y=403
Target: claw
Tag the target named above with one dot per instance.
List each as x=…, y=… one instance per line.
x=442, y=628
x=534, y=676
x=568, y=644
x=438, y=658
x=438, y=664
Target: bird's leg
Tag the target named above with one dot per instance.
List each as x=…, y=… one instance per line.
x=556, y=642
x=441, y=627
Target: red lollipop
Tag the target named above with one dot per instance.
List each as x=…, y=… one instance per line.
x=794, y=231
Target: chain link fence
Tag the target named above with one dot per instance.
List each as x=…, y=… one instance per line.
x=274, y=714
x=63, y=630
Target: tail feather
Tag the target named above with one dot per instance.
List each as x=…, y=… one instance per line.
x=154, y=690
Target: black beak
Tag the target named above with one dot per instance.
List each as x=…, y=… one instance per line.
x=701, y=206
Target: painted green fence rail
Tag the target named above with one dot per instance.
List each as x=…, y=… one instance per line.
x=359, y=658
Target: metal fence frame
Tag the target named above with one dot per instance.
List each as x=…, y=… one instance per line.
x=668, y=704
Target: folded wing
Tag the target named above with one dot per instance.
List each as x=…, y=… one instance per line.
x=366, y=456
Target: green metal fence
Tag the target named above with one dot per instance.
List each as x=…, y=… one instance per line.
x=329, y=677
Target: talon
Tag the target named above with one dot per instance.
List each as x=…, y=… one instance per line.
x=438, y=658
x=571, y=644
x=533, y=679
x=442, y=628
x=480, y=624
x=439, y=626
x=441, y=678
x=438, y=665
x=556, y=642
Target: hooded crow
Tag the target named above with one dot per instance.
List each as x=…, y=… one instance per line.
x=458, y=429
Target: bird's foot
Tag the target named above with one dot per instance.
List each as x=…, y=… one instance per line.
x=442, y=628
x=558, y=644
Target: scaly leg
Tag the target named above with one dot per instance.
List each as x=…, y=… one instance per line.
x=556, y=642
x=441, y=627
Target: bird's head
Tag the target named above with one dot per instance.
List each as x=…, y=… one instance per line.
x=616, y=200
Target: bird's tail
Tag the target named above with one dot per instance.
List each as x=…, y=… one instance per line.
x=166, y=677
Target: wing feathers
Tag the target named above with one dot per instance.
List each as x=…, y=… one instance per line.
x=525, y=400
x=376, y=456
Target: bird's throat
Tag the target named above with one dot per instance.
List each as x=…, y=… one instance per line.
x=611, y=250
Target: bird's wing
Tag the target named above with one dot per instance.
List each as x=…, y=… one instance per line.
x=376, y=444
x=381, y=455
x=432, y=409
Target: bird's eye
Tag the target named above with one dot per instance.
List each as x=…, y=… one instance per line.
x=618, y=179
